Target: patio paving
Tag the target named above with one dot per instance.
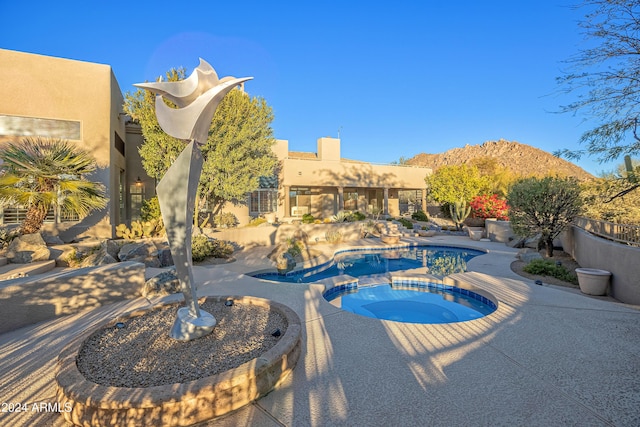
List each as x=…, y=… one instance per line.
x=547, y=356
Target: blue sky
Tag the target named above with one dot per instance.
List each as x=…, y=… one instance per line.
x=391, y=78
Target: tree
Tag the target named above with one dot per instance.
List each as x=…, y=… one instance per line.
x=450, y=184
x=236, y=154
x=159, y=150
x=606, y=78
x=43, y=173
x=238, y=151
x=543, y=206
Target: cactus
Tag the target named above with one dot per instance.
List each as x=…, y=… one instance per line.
x=459, y=212
x=139, y=229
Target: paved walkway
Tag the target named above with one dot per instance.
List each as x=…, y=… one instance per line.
x=548, y=356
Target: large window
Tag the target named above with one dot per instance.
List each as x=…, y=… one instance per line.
x=263, y=200
x=410, y=201
x=300, y=201
x=16, y=214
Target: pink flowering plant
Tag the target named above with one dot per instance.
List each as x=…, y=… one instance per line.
x=489, y=206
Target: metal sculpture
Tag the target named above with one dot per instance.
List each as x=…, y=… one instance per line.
x=196, y=99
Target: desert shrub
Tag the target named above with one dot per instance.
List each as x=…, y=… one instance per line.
x=225, y=220
x=357, y=216
x=334, y=236
x=307, y=218
x=295, y=247
x=406, y=223
x=420, y=216
x=492, y=206
x=342, y=216
x=150, y=209
x=203, y=247
x=256, y=222
x=545, y=267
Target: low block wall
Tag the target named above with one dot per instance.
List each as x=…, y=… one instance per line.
x=30, y=300
x=272, y=235
x=621, y=260
x=498, y=231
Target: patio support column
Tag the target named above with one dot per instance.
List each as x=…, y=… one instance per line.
x=340, y=199
x=287, y=202
x=386, y=201
x=424, y=200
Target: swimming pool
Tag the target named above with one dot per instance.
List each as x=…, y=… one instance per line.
x=441, y=261
x=434, y=303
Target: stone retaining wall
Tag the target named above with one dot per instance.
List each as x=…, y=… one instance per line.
x=30, y=300
x=273, y=235
x=621, y=260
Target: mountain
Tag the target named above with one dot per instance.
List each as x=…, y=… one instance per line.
x=521, y=159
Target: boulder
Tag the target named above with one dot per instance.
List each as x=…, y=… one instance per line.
x=527, y=255
x=100, y=257
x=142, y=251
x=52, y=240
x=165, y=283
x=28, y=248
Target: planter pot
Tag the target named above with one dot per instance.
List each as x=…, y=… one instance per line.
x=475, y=233
x=593, y=281
x=270, y=217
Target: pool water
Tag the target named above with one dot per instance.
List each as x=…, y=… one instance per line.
x=431, y=304
x=441, y=261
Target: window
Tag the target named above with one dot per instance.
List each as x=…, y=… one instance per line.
x=263, y=201
x=300, y=201
x=33, y=126
x=136, y=193
x=410, y=201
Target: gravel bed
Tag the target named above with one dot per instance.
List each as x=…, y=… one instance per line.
x=142, y=354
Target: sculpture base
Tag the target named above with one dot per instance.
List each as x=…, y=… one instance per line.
x=188, y=327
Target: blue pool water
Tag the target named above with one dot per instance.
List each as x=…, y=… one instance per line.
x=441, y=261
x=430, y=304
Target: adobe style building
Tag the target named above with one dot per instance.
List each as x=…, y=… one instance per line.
x=82, y=102
x=323, y=183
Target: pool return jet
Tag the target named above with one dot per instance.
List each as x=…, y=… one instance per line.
x=196, y=99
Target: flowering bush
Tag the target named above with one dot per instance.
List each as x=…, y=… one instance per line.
x=492, y=206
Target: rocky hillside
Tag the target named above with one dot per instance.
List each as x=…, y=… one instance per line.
x=520, y=158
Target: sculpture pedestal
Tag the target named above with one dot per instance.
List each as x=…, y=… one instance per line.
x=188, y=327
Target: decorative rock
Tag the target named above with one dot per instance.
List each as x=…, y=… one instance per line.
x=165, y=283
x=285, y=263
x=528, y=255
x=143, y=251
x=28, y=248
x=101, y=257
x=52, y=240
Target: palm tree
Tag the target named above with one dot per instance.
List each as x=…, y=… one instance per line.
x=42, y=173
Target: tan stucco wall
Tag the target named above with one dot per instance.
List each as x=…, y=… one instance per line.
x=56, y=88
x=621, y=260
x=297, y=172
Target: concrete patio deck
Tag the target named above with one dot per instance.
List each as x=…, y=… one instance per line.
x=548, y=356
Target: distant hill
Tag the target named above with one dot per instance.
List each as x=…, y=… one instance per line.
x=521, y=159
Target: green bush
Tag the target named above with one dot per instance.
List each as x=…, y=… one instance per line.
x=256, y=222
x=357, y=216
x=406, y=223
x=545, y=267
x=334, y=236
x=203, y=247
x=150, y=209
x=307, y=218
x=420, y=216
x=225, y=220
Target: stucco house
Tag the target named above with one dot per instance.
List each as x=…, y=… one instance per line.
x=83, y=103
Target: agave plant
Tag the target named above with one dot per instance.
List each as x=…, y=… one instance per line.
x=39, y=174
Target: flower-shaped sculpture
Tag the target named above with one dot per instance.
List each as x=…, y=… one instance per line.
x=196, y=99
